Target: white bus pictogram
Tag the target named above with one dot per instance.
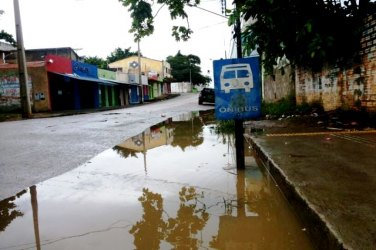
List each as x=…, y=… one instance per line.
x=236, y=76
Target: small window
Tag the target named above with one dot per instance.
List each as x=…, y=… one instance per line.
x=229, y=74
x=243, y=73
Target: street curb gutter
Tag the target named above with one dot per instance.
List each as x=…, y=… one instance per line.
x=319, y=231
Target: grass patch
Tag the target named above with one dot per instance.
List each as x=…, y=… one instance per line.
x=8, y=116
x=287, y=106
x=225, y=127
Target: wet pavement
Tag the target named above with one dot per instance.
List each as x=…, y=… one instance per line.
x=328, y=175
x=174, y=186
x=35, y=150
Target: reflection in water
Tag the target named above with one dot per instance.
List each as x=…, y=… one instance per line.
x=191, y=218
x=149, y=231
x=34, y=205
x=8, y=211
x=175, y=132
x=187, y=133
x=180, y=232
x=182, y=131
x=191, y=197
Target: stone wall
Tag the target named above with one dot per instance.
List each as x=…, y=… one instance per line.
x=280, y=85
x=350, y=87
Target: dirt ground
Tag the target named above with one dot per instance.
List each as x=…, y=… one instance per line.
x=313, y=122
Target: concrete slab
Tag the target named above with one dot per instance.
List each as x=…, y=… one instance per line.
x=329, y=176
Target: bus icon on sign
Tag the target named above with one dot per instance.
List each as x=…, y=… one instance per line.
x=236, y=76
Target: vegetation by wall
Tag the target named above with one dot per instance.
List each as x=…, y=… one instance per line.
x=347, y=86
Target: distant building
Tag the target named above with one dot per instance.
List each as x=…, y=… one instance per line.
x=157, y=73
x=181, y=87
x=58, y=80
x=7, y=52
x=40, y=54
x=59, y=83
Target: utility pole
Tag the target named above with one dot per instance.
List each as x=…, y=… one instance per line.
x=139, y=72
x=190, y=75
x=22, y=69
x=239, y=129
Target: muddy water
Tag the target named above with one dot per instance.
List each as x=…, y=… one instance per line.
x=172, y=187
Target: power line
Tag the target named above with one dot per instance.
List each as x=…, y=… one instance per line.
x=212, y=25
x=190, y=5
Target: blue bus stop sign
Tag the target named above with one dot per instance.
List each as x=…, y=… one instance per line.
x=237, y=88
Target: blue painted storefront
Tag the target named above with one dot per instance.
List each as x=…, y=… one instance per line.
x=133, y=95
x=86, y=91
x=78, y=86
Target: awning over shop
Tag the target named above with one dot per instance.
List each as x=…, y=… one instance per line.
x=89, y=79
x=122, y=83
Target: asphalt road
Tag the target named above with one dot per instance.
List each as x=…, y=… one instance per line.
x=37, y=149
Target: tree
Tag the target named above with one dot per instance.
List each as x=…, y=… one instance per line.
x=119, y=54
x=99, y=62
x=143, y=18
x=116, y=55
x=8, y=38
x=309, y=33
x=186, y=68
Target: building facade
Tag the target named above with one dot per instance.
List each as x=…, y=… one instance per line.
x=59, y=83
x=156, y=72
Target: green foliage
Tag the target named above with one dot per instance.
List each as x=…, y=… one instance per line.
x=181, y=33
x=143, y=19
x=186, y=67
x=116, y=55
x=225, y=127
x=288, y=106
x=307, y=108
x=8, y=38
x=119, y=54
x=99, y=62
x=282, y=107
x=142, y=23
x=309, y=33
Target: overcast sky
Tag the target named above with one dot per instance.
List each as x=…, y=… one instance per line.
x=97, y=27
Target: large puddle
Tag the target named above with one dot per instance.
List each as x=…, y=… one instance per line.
x=172, y=187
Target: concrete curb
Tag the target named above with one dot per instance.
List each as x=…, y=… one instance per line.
x=319, y=231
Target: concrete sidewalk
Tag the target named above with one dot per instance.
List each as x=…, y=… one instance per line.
x=329, y=177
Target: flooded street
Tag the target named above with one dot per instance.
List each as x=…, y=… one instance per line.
x=174, y=186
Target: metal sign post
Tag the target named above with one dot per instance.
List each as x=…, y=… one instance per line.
x=239, y=129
